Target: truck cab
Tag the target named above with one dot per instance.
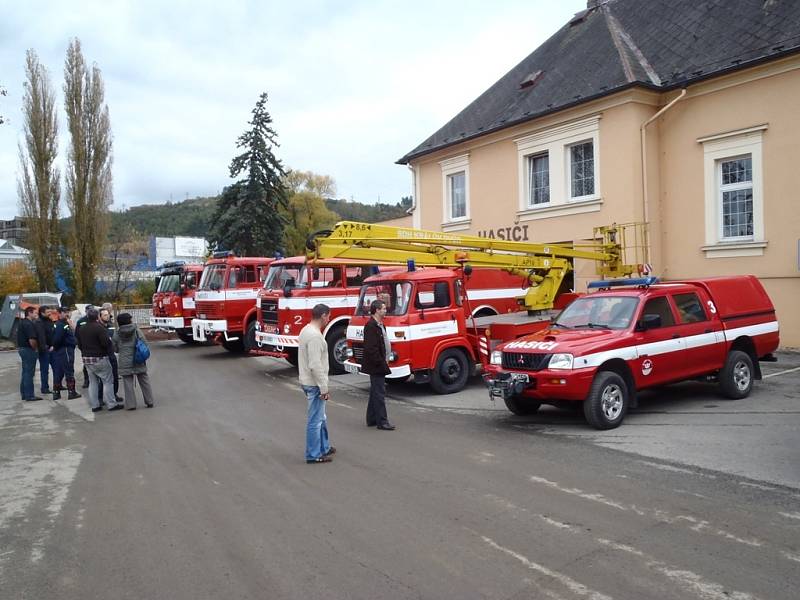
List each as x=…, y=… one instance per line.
x=173, y=301
x=636, y=334
x=226, y=298
x=429, y=321
x=292, y=287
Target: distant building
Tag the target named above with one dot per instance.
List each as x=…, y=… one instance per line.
x=9, y=252
x=167, y=249
x=14, y=231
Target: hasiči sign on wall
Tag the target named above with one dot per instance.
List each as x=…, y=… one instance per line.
x=515, y=233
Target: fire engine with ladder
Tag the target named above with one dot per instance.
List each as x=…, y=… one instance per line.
x=436, y=335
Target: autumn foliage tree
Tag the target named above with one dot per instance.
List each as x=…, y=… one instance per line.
x=306, y=211
x=89, y=159
x=39, y=182
x=16, y=277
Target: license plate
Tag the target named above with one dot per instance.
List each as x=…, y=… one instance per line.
x=270, y=329
x=350, y=368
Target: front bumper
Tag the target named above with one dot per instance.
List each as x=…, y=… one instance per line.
x=279, y=341
x=401, y=371
x=167, y=322
x=541, y=385
x=204, y=328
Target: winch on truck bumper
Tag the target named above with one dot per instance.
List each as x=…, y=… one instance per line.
x=505, y=385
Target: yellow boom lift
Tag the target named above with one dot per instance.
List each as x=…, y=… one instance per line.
x=618, y=251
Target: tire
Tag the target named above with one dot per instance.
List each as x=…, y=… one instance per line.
x=451, y=372
x=234, y=346
x=521, y=406
x=608, y=400
x=292, y=356
x=249, y=341
x=185, y=336
x=337, y=345
x=736, y=377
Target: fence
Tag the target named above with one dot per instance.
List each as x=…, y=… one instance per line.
x=140, y=312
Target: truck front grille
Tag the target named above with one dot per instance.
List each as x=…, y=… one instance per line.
x=211, y=309
x=358, y=354
x=525, y=361
x=269, y=312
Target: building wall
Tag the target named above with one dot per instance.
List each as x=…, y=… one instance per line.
x=675, y=179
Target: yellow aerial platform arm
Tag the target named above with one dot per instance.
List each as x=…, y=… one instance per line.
x=545, y=265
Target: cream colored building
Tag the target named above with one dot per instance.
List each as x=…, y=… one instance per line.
x=685, y=115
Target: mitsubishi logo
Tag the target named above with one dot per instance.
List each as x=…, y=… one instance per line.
x=521, y=359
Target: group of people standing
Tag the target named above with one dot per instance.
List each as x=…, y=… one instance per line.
x=313, y=371
x=51, y=340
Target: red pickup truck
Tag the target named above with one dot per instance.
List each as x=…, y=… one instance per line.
x=636, y=334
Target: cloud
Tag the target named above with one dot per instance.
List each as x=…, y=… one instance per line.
x=353, y=85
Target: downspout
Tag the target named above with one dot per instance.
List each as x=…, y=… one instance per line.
x=645, y=211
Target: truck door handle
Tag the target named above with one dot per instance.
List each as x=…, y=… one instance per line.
x=676, y=335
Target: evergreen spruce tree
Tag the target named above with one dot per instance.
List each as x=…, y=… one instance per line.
x=247, y=219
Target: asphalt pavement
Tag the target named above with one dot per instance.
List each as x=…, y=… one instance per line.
x=207, y=495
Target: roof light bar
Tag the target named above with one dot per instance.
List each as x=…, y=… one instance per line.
x=223, y=254
x=605, y=284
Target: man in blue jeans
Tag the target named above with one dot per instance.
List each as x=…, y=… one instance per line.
x=312, y=364
x=28, y=348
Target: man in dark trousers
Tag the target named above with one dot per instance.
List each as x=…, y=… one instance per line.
x=44, y=336
x=107, y=320
x=96, y=346
x=28, y=348
x=78, y=324
x=63, y=356
x=374, y=364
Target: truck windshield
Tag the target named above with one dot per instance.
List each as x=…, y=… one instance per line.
x=281, y=275
x=605, y=312
x=213, y=277
x=169, y=283
x=396, y=294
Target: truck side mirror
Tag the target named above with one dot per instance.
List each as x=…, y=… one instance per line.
x=288, y=285
x=649, y=321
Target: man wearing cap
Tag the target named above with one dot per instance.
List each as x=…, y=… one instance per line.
x=63, y=356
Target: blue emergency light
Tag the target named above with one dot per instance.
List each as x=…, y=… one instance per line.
x=411, y=265
x=609, y=283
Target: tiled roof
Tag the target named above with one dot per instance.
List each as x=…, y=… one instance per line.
x=657, y=44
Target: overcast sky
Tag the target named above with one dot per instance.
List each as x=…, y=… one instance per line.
x=352, y=85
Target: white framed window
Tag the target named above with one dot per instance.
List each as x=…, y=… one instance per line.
x=559, y=170
x=733, y=196
x=581, y=170
x=539, y=179
x=455, y=192
x=736, y=198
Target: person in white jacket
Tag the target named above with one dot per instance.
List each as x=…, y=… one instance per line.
x=312, y=364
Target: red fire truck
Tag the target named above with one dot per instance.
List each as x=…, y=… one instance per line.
x=226, y=298
x=173, y=302
x=292, y=288
x=442, y=323
x=637, y=334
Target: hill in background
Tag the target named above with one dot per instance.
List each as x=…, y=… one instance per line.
x=192, y=217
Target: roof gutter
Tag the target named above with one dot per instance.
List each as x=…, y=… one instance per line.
x=643, y=129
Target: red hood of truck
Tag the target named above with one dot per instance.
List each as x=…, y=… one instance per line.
x=573, y=341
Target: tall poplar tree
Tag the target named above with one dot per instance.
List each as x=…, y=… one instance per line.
x=39, y=185
x=247, y=219
x=89, y=159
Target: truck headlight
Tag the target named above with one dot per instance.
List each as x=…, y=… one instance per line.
x=286, y=329
x=496, y=358
x=393, y=356
x=560, y=361
x=348, y=352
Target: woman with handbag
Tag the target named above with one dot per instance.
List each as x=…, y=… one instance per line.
x=133, y=352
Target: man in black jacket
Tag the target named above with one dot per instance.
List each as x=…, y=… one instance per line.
x=44, y=336
x=374, y=364
x=78, y=324
x=96, y=346
x=28, y=348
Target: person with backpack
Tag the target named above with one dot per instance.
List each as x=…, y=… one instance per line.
x=133, y=352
